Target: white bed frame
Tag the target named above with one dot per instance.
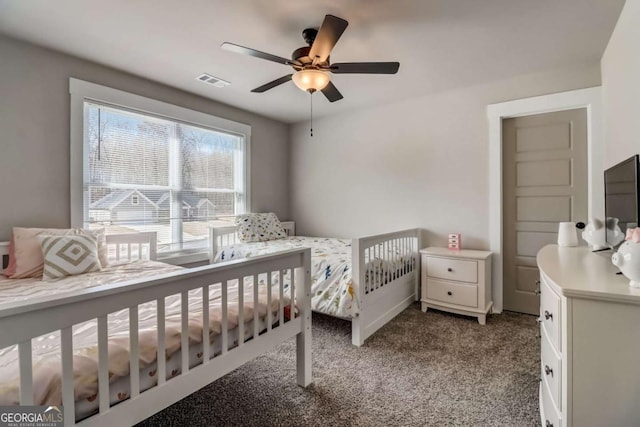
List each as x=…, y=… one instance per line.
x=383, y=301
x=21, y=322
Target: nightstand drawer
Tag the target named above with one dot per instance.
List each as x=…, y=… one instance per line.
x=452, y=293
x=452, y=269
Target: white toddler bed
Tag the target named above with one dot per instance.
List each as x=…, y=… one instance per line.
x=367, y=280
x=90, y=342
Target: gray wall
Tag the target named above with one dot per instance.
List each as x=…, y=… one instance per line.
x=421, y=163
x=34, y=135
x=621, y=87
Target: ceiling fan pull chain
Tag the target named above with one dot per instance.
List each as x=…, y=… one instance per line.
x=311, y=114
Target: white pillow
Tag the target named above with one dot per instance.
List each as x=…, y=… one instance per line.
x=259, y=227
x=69, y=255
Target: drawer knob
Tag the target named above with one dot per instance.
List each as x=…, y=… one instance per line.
x=548, y=315
x=548, y=370
x=450, y=270
x=449, y=293
x=548, y=424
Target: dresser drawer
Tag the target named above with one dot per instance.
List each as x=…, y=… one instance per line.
x=550, y=313
x=551, y=368
x=452, y=269
x=452, y=293
x=550, y=414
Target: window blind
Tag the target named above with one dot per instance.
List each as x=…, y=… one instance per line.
x=148, y=173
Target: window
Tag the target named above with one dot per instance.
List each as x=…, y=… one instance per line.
x=154, y=172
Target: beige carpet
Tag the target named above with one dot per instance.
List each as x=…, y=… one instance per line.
x=433, y=369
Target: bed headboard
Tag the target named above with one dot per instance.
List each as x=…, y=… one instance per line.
x=225, y=236
x=132, y=246
x=121, y=247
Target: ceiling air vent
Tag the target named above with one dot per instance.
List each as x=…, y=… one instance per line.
x=214, y=81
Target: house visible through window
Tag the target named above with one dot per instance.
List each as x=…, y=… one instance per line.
x=149, y=173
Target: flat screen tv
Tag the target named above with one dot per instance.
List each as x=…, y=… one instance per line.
x=621, y=198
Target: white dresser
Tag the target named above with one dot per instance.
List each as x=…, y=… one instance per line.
x=590, y=341
x=458, y=281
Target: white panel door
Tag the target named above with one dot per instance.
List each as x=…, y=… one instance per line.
x=544, y=183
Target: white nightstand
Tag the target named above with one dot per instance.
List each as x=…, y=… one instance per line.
x=458, y=281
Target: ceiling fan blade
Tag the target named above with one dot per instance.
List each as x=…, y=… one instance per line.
x=271, y=85
x=329, y=33
x=365, y=67
x=257, y=54
x=332, y=93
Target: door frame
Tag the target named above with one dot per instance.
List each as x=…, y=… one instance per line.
x=591, y=100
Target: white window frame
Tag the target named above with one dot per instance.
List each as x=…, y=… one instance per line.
x=82, y=91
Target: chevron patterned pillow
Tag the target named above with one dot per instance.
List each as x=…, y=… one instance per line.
x=69, y=255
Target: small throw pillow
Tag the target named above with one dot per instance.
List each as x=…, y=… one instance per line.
x=259, y=227
x=68, y=255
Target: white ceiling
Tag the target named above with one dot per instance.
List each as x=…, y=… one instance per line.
x=440, y=44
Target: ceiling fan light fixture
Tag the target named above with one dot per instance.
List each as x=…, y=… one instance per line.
x=311, y=80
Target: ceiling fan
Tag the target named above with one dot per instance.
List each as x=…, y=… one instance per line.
x=311, y=63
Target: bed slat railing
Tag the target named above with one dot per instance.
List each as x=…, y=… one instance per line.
x=161, y=354
x=26, y=373
x=256, y=313
x=303, y=341
x=281, y=306
x=132, y=246
x=225, y=320
x=184, y=334
x=206, y=341
x=103, y=364
x=269, y=312
x=292, y=293
x=384, y=267
x=23, y=321
x=66, y=347
x=385, y=249
x=134, y=352
x=240, y=311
